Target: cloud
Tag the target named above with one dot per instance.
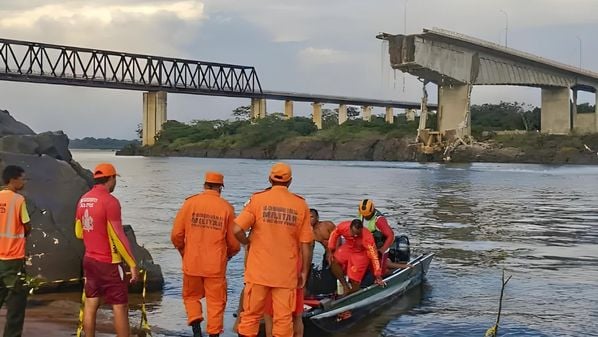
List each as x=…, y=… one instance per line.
x=103, y=14
x=311, y=55
x=311, y=46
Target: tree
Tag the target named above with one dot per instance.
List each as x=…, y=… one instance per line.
x=353, y=112
x=504, y=116
x=585, y=107
x=139, y=131
x=329, y=118
x=242, y=113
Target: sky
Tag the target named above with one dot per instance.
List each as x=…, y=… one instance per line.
x=309, y=46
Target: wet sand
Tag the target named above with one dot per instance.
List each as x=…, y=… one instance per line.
x=57, y=315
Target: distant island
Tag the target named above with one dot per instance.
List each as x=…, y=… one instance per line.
x=101, y=143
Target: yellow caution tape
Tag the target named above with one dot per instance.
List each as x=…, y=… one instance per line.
x=80, y=325
x=144, y=325
x=491, y=332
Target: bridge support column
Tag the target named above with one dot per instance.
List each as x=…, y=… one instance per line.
x=390, y=116
x=258, y=108
x=410, y=115
x=342, y=113
x=288, y=108
x=154, y=115
x=255, y=108
x=453, y=109
x=366, y=112
x=555, y=116
x=317, y=114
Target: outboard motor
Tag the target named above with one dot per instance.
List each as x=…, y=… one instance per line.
x=400, y=250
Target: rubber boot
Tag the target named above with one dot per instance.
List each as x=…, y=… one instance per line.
x=196, y=326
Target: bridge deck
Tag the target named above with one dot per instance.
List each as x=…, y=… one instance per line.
x=34, y=62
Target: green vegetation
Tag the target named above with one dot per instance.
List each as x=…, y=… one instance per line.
x=100, y=143
x=264, y=135
x=269, y=131
x=510, y=116
x=504, y=116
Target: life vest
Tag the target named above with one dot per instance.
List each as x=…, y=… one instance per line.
x=370, y=224
x=12, y=231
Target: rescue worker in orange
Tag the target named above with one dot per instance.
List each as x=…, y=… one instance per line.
x=375, y=222
x=280, y=235
x=354, y=256
x=297, y=311
x=98, y=222
x=14, y=227
x=202, y=232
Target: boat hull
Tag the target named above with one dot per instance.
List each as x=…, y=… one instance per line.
x=341, y=314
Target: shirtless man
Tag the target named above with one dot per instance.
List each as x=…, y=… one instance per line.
x=322, y=230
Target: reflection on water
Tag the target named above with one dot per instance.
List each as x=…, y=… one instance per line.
x=538, y=222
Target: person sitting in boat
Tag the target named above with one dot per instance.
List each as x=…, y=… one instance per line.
x=353, y=257
x=377, y=224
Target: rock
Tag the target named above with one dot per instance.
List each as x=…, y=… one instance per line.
x=56, y=182
x=9, y=126
x=305, y=148
x=54, y=144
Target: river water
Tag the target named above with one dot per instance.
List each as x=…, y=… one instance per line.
x=537, y=223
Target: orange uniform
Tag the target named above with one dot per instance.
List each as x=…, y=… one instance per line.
x=356, y=253
x=299, y=297
x=202, y=232
x=279, y=222
x=13, y=217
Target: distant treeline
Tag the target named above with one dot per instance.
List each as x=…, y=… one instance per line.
x=100, y=143
x=240, y=132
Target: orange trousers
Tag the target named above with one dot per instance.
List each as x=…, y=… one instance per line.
x=214, y=290
x=254, y=299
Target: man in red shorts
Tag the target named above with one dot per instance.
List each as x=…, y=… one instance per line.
x=353, y=257
x=99, y=224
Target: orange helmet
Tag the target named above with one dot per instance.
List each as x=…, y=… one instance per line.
x=366, y=208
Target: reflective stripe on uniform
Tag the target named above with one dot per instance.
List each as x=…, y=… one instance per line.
x=11, y=221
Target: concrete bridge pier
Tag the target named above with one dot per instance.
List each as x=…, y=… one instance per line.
x=288, y=108
x=555, y=117
x=390, y=116
x=410, y=115
x=317, y=114
x=342, y=114
x=366, y=113
x=585, y=122
x=453, y=109
x=258, y=108
x=154, y=115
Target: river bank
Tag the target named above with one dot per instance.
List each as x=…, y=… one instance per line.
x=531, y=148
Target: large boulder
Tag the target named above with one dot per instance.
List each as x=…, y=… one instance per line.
x=10, y=126
x=56, y=182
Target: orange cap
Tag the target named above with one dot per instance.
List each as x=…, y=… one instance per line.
x=280, y=172
x=104, y=170
x=214, y=178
